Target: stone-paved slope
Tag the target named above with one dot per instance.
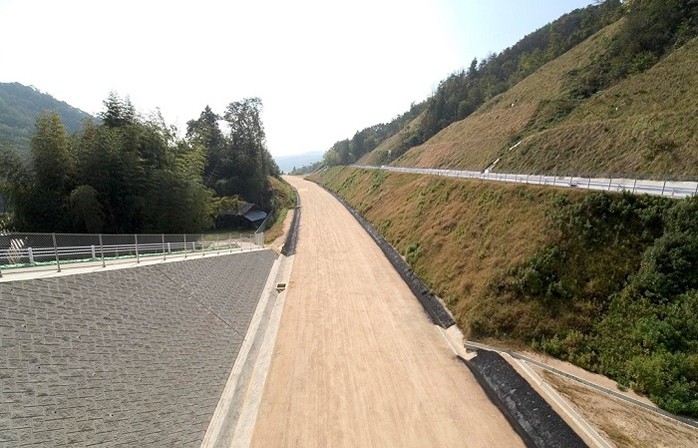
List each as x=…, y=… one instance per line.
x=131, y=357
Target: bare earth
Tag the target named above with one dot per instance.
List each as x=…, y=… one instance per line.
x=625, y=425
x=357, y=362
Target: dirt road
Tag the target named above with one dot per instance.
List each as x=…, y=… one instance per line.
x=357, y=362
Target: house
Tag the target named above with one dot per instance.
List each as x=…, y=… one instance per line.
x=247, y=215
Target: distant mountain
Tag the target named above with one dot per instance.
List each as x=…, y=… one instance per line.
x=21, y=105
x=287, y=163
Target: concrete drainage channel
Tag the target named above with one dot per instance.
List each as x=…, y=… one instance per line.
x=529, y=414
x=236, y=413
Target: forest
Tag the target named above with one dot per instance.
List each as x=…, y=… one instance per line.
x=126, y=173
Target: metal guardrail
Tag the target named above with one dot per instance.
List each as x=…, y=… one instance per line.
x=23, y=250
x=672, y=189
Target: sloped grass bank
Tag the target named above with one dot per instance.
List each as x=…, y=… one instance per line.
x=609, y=282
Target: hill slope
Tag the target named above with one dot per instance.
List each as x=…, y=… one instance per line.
x=623, y=102
x=606, y=281
x=20, y=106
x=475, y=142
x=645, y=125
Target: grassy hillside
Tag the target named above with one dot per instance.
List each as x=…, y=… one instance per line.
x=477, y=141
x=646, y=125
x=622, y=103
x=607, y=281
x=20, y=106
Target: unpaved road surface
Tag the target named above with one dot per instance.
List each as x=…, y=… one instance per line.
x=357, y=362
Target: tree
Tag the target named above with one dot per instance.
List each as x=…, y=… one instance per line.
x=118, y=112
x=86, y=210
x=206, y=133
x=45, y=201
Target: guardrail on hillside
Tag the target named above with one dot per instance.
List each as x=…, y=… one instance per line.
x=673, y=189
x=53, y=250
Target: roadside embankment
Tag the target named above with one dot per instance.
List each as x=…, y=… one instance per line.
x=591, y=278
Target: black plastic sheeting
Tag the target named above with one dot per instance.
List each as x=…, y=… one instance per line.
x=436, y=310
x=289, y=247
x=530, y=415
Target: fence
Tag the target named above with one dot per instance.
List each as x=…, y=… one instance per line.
x=54, y=250
x=673, y=189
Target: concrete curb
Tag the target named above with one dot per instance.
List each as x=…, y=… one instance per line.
x=225, y=417
x=432, y=305
x=244, y=428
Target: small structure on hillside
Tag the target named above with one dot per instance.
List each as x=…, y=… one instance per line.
x=246, y=215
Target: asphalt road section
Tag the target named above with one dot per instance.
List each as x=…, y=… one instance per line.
x=357, y=361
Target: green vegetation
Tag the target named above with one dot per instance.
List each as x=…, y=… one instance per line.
x=606, y=281
x=20, y=106
x=284, y=200
x=130, y=174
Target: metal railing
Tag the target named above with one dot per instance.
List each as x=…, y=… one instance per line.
x=56, y=250
x=672, y=189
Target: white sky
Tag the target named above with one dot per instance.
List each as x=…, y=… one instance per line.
x=324, y=69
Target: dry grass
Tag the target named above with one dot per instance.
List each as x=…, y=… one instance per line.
x=459, y=235
x=646, y=125
x=477, y=141
x=472, y=143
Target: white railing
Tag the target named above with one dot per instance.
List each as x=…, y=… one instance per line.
x=54, y=250
x=674, y=189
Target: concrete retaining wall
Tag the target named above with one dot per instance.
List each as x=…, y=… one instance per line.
x=130, y=357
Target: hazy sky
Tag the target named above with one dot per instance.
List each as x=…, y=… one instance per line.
x=324, y=69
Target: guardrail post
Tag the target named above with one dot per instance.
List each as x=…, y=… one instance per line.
x=230, y=242
x=634, y=185
x=589, y=183
x=203, y=253
x=663, y=187
x=185, y=246
x=610, y=179
x=164, y=254
x=696, y=192
x=55, y=250
x=101, y=250
x=138, y=258
x=218, y=248
x=30, y=252
x=94, y=254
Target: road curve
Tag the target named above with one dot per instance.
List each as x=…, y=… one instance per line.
x=357, y=361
